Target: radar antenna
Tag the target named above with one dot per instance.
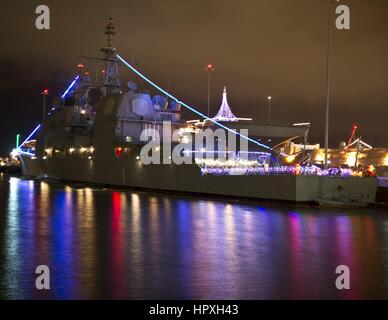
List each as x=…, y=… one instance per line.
x=110, y=31
x=112, y=81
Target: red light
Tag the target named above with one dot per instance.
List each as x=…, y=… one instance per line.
x=371, y=170
x=209, y=67
x=118, y=152
x=45, y=92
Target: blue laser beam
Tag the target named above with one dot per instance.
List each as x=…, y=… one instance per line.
x=38, y=127
x=70, y=86
x=188, y=107
x=26, y=153
x=31, y=134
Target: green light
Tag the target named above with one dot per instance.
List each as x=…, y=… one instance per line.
x=17, y=140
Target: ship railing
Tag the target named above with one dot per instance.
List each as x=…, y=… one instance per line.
x=156, y=119
x=272, y=123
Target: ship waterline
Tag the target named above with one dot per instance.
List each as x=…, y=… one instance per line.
x=188, y=179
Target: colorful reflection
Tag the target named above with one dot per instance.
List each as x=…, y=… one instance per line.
x=120, y=244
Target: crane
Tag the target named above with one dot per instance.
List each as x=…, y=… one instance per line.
x=352, y=135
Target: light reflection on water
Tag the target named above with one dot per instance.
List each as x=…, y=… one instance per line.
x=122, y=244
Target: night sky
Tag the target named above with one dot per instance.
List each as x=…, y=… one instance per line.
x=259, y=48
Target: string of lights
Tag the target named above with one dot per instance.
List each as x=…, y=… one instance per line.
x=70, y=87
x=38, y=127
x=188, y=107
x=29, y=137
x=282, y=170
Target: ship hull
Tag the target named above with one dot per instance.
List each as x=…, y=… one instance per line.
x=188, y=179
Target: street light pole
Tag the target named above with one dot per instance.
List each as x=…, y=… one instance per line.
x=269, y=108
x=208, y=93
x=44, y=105
x=328, y=57
x=44, y=93
x=209, y=69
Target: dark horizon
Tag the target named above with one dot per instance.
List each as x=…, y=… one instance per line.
x=259, y=48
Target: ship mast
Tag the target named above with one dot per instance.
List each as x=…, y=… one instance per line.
x=112, y=81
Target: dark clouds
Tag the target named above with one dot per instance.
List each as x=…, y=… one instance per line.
x=259, y=47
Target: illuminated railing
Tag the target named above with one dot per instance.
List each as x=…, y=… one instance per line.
x=250, y=169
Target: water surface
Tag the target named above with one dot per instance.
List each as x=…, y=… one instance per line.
x=117, y=244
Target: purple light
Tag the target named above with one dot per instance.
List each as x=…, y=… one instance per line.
x=225, y=114
x=284, y=170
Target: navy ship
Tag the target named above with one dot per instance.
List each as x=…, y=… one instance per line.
x=93, y=134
